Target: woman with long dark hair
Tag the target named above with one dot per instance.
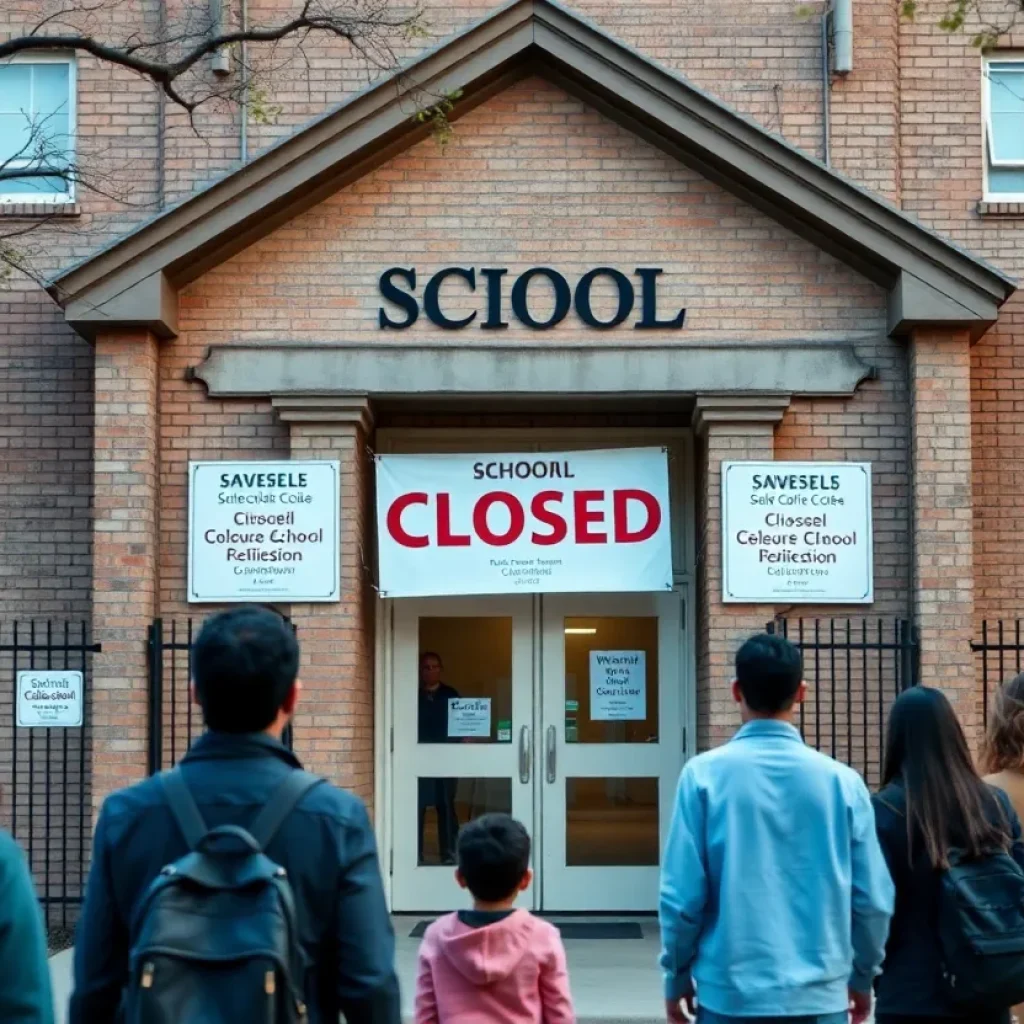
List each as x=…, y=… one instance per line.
x=932, y=803
x=1003, y=755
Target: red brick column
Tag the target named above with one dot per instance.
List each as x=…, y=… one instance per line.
x=125, y=553
x=741, y=429
x=943, y=542
x=334, y=725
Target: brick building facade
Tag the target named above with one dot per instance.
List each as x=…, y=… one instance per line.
x=849, y=289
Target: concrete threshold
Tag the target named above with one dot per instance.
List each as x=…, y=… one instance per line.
x=614, y=981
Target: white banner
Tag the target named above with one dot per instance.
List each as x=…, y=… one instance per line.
x=557, y=522
x=263, y=531
x=50, y=698
x=797, y=533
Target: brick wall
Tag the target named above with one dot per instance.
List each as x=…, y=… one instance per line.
x=897, y=126
x=997, y=400
x=533, y=177
x=46, y=382
x=942, y=184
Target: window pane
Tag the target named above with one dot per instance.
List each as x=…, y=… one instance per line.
x=15, y=88
x=464, y=688
x=14, y=137
x=34, y=187
x=1007, y=88
x=611, y=679
x=445, y=805
x=50, y=89
x=1008, y=136
x=1008, y=180
x=611, y=822
x=54, y=129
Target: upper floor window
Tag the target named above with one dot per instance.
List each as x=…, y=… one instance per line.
x=1004, y=128
x=37, y=129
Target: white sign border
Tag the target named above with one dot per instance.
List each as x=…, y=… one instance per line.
x=600, y=448
x=50, y=725
x=794, y=599
x=335, y=594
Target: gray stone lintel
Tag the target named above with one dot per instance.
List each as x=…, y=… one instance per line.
x=530, y=371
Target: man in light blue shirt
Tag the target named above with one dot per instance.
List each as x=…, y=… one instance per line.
x=775, y=897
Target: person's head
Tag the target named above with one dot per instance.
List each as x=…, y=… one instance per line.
x=431, y=669
x=947, y=803
x=1004, y=743
x=769, y=677
x=494, y=858
x=245, y=664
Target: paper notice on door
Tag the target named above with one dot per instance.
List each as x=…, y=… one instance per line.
x=618, y=686
x=469, y=716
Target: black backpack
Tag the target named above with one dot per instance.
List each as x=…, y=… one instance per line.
x=215, y=939
x=981, y=931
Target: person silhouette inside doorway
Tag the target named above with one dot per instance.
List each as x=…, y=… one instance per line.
x=433, y=728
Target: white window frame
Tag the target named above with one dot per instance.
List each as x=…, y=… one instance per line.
x=988, y=157
x=50, y=198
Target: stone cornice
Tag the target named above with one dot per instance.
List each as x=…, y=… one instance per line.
x=311, y=373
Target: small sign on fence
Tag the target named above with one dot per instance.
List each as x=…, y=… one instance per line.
x=50, y=698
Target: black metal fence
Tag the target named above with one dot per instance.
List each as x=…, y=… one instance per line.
x=999, y=655
x=45, y=793
x=855, y=669
x=174, y=719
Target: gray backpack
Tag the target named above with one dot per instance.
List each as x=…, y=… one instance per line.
x=215, y=939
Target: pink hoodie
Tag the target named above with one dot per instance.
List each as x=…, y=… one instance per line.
x=512, y=971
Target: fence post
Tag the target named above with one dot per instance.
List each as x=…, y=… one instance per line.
x=910, y=655
x=155, y=659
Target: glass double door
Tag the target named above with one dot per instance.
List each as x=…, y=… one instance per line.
x=564, y=711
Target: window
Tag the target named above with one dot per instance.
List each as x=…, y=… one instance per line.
x=37, y=128
x=1004, y=128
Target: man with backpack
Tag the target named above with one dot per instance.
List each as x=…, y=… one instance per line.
x=775, y=897
x=236, y=887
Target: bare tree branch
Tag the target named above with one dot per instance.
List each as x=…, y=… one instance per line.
x=170, y=54
x=340, y=21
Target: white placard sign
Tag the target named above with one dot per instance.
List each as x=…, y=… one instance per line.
x=50, y=699
x=263, y=531
x=618, y=686
x=469, y=716
x=558, y=522
x=797, y=533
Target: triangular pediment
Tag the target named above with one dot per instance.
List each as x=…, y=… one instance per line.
x=134, y=282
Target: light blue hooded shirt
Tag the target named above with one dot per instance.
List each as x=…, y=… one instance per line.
x=775, y=896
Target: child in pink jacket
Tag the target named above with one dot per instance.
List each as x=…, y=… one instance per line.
x=493, y=963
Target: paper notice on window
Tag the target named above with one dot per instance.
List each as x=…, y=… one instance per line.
x=469, y=716
x=618, y=686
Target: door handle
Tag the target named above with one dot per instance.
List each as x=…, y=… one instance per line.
x=551, y=758
x=524, y=755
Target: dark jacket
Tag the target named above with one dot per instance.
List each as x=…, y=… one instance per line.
x=911, y=980
x=25, y=996
x=433, y=714
x=326, y=845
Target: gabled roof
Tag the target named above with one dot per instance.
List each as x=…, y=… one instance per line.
x=134, y=281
